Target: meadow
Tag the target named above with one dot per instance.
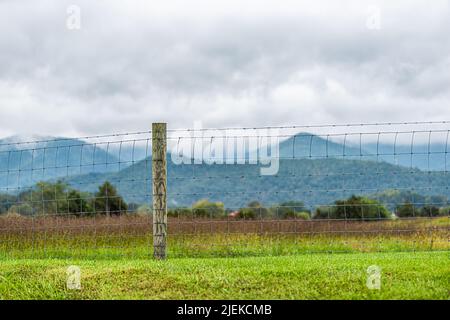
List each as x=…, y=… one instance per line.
x=418, y=275
x=223, y=258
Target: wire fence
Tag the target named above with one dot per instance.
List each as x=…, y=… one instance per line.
x=76, y=197
x=230, y=192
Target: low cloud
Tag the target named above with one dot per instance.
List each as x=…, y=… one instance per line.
x=136, y=63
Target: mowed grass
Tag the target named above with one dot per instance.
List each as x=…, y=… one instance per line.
x=413, y=275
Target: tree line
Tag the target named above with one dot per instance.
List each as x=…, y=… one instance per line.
x=59, y=198
x=354, y=208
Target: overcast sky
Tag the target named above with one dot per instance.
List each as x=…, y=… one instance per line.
x=225, y=63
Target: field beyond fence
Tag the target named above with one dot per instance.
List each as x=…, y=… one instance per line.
x=131, y=236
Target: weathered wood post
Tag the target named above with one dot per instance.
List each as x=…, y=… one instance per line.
x=159, y=179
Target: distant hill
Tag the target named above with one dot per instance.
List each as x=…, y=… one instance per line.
x=309, y=146
x=391, y=198
x=428, y=158
x=316, y=182
x=312, y=169
x=424, y=156
x=24, y=163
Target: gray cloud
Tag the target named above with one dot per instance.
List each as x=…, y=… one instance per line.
x=226, y=65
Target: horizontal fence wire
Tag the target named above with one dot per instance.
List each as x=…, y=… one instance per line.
x=231, y=191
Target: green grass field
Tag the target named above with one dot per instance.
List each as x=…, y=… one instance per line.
x=419, y=275
x=116, y=261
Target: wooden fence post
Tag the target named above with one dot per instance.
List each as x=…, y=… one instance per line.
x=159, y=181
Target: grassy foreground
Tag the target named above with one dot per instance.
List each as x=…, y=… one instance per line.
x=413, y=275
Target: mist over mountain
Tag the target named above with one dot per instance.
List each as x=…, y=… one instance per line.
x=25, y=161
x=420, y=155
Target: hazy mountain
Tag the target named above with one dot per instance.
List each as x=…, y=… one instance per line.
x=23, y=163
x=312, y=169
x=424, y=156
x=308, y=146
x=316, y=182
x=393, y=197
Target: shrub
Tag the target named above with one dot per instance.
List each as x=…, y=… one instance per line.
x=355, y=207
x=247, y=213
x=290, y=210
x=253, y=210
x=303, y=215
x=56, y=198
x=179, y=212
x=444, y=211
x=108, y=201
x=77, y=204
x=204, y=208
x=6, y=201
x=53, y=198
x=407, y=210
x=429, y=211
x=21, y=209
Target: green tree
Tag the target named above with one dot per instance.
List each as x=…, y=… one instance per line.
x=444, y=211
x=291, y=209
x=48, y=198
x=108, y=201
x=6, y=202
x=205, y=208
x=78, y=204
x=179, y=212
x=430, y=211
x=406, y=210
x=253, y=210
x=355, y=207
x=53, y=198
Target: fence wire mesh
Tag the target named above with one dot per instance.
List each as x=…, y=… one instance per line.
x=230, y=192
x=75, y=197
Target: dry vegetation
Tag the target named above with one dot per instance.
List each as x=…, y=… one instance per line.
x=130, y=235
